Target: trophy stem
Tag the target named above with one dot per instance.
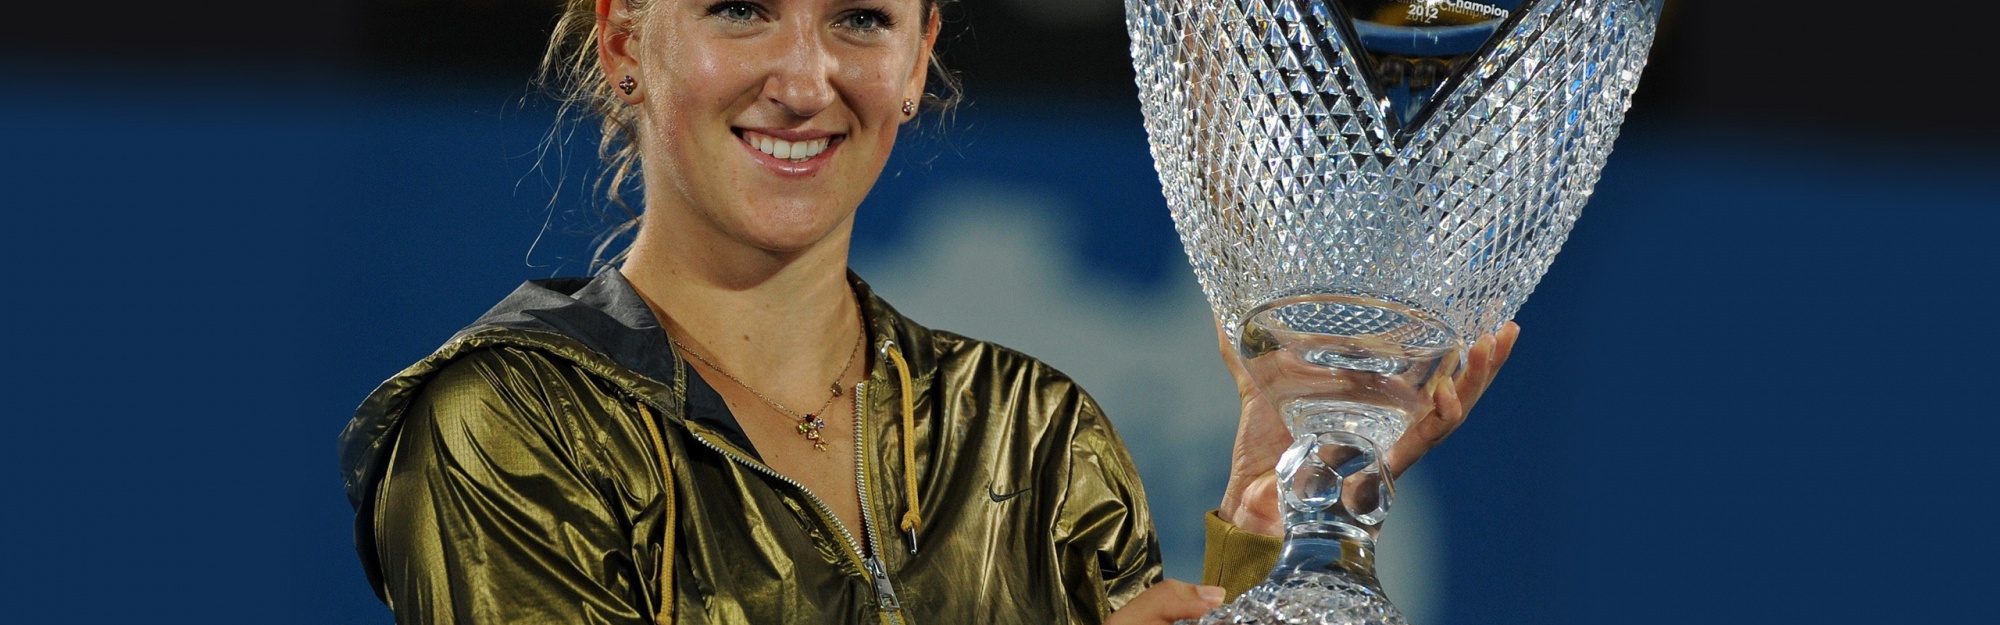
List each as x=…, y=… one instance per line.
x=1335, y=488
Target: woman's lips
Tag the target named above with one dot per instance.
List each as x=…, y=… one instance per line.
x=800, y=153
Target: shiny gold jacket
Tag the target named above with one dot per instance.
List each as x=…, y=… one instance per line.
x=543, y=467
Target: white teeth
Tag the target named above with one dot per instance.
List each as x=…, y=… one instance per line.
x=795, y=151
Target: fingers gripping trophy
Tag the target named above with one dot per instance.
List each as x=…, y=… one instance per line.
x=1363, y=188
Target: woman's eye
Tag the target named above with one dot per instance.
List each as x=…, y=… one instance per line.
x=865, y=21
x=734, y=11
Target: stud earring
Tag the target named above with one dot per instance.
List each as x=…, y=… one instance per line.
x=909, y=107
x=628, y=84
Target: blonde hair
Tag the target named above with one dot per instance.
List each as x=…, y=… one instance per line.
x=571, y=73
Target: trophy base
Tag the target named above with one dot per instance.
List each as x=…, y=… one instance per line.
x=1307, y=598
x=1326, y=576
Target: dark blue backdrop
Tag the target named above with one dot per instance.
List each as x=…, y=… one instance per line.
x=1755, y=387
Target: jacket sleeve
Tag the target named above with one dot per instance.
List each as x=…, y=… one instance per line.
x=1236, y=559
x=1112, y=552
x=487, y=513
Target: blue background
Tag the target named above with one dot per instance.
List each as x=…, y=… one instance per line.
x=1756, y=386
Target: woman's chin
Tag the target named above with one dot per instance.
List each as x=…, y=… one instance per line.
x=778, y=224
x=791, y=238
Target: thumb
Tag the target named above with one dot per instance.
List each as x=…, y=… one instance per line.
x=1166, y=602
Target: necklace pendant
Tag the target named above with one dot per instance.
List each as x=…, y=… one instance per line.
x=809, y=427
x=836, y=389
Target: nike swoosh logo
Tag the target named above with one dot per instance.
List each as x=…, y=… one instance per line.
x=998, y=498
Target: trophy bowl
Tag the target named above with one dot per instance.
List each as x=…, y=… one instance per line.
x=1363, y=188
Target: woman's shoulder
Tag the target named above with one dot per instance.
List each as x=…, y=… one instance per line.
x=486, y=391
x=550, y=342
x=964, y=356
x=493, y=395
x=1011, y=389
x=521, y=377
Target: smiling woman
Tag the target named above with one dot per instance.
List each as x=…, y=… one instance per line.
x=715, y=80
x=583, y=63
x=724, y=424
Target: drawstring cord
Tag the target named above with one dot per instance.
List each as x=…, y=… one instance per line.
x=665, y=615
x=913, y=518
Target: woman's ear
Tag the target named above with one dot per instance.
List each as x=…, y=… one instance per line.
x=615, y=53
x=922, y=70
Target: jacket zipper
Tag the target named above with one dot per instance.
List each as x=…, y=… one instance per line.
x=885, y=591
x=878, y=576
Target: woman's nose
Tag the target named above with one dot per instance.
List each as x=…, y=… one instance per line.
x=801, y=80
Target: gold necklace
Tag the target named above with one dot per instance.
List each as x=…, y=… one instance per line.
x=809, y=424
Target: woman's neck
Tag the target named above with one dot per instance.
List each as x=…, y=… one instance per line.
x=781, y=323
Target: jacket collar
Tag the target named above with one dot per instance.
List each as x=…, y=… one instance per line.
x=604, y=315
x=602, y=325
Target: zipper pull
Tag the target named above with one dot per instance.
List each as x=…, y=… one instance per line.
x=885, y=593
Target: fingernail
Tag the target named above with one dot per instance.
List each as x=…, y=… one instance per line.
x=1211, y=594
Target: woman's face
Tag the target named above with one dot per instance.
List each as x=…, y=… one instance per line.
x=767, y=121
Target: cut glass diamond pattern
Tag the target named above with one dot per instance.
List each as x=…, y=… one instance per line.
x=1286, y=176
x=1309, y=599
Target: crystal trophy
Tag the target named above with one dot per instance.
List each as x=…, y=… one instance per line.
x=1364, y=187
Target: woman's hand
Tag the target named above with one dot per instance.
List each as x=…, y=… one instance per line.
x=1166, y=602
x=1251, y=499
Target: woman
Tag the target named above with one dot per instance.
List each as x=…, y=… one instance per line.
x=729, y=426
